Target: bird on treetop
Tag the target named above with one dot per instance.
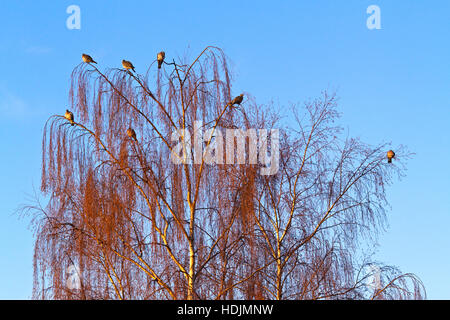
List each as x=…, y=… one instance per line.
x=238, y=100
x=131, y=133
x=127, y=65
x=87, y=58
x=69, y=116
x=390, y=155
x=160, y=57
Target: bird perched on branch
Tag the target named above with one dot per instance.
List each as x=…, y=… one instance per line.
x=131, y=133
x=160, y=57
x=69, y=116
x=87, y=58
x=127, y=65
x=390, y=155
x=238, y=100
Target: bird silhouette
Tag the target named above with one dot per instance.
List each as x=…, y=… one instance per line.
x=160, y=57
x=238, y=100
x=69, y=116
x=390, y=156
x=131, y=133
x=87, y=58
x=127, y=65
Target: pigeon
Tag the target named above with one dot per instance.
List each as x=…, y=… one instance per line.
x=127, y=65
x=131, y=133
x=390, y=155
x=69, y=116
x=87, y=58
x=160, y=57
x=238, y=99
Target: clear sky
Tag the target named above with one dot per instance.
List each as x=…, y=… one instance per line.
x=393, y=84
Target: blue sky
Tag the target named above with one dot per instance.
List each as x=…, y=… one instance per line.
x=393, y=85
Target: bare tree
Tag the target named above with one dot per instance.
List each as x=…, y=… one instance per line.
x=146, y=214
x=329, y=194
